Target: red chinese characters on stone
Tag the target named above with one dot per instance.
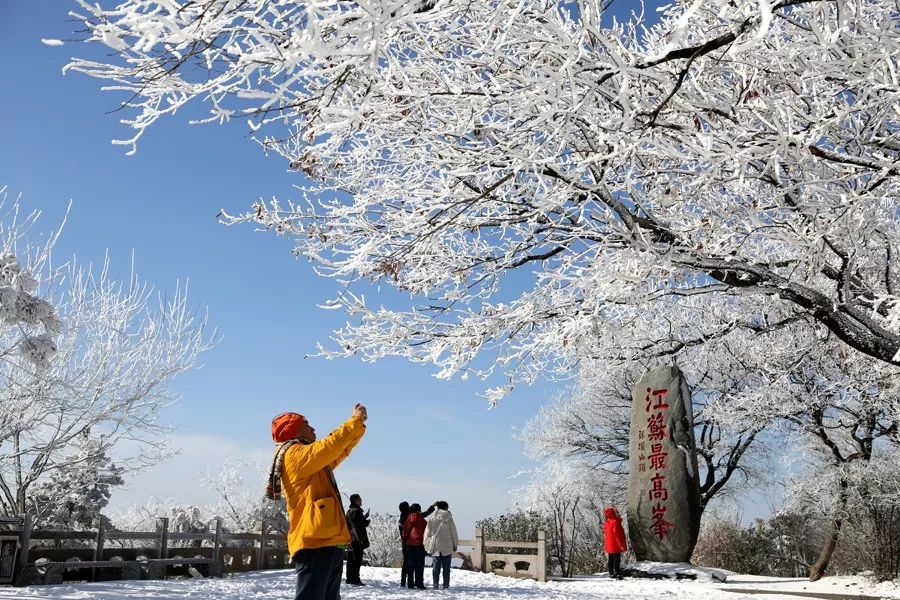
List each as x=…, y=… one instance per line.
x=658, y=491
x=657, y=456
x=656, y=399
x=660, y=526
x=655, y=460
x=656, y=427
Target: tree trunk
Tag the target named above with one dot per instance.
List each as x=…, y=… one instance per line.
x=817, y=570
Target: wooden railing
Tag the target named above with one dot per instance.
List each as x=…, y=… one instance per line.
x=105, y=555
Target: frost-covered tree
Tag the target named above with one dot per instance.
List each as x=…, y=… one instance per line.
x=734, y=150
x=840, y=404
x=571, y=495
x=274, y=514
x=727, y=544
x=241, y=507
x=843, y=407
x=140, y=517
x=188, y=519
x=29, y=321
x=74, y=498
x=874, y=534
x=232, y=500
x=517, y=525
x=864, y=510
x=385, y=548
x=182, y=518
x=592, y=423
x=118, y=346
x=849, y=427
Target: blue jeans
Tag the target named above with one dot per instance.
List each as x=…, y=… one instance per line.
x=319, y=573
x=439, y=563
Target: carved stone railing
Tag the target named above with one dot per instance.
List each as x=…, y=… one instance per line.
x=103, y=555
x=529, y=566
x=48, y=557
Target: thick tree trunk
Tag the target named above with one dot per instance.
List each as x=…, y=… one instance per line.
x=817, y=570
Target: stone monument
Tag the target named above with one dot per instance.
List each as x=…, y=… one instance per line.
x=663, y=480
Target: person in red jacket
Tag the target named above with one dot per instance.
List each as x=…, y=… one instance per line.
x=414, y=540
x=614, y=541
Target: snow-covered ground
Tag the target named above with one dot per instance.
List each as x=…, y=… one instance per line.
x=828, y=585
x=383, y=584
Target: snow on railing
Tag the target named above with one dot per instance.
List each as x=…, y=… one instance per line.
x=51, y=556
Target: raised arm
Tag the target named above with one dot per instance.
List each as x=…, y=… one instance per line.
x=359, y=412
x=329, y=451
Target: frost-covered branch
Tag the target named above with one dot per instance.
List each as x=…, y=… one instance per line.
x=119, y=345
x=520, y=150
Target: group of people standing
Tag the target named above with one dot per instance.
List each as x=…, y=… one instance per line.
x=320, y=531
x=430, y=533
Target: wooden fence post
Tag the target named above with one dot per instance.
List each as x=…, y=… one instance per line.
x=542, y=556
x=162, y=525
x=24, y=546
x=478, y=559
x=98, y=548
x=261, y=557
x=216, y=568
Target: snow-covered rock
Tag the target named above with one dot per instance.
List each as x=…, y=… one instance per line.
x=680, y=570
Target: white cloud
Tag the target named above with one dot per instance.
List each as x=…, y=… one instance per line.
x=179, y=479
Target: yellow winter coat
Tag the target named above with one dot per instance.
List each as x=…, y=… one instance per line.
x=314, y=506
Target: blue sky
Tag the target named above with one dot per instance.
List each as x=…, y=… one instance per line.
x=427, y=439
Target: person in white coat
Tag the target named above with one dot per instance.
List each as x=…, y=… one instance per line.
x=441, y=541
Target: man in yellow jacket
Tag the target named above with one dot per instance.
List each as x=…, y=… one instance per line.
x=318, y=528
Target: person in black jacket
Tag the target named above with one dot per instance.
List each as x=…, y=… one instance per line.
x=404, y=512
x=357, y=521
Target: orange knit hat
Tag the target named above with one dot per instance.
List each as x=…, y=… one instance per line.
x=286, y=426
